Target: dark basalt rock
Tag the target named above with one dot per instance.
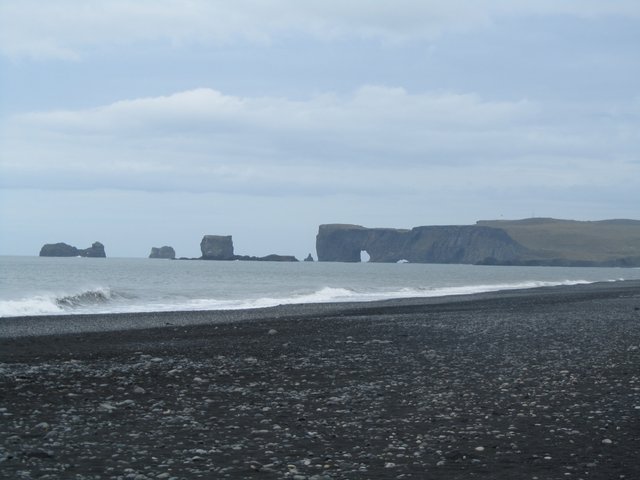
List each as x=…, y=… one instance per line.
x=58, y=250
x=96, y=250
x=527, y=242
x=435, y=244
x=217, y=247
x=64, y=250
x=278, y=258
x=309, y=258
x=220, y=247
x=269, y=258
x=163, y=252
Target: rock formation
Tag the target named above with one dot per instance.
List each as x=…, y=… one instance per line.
x=309, y=258
x=58, y=250
x=96, y=250
x=217, y=247
x=163, y=252
x=435, y=244
x=268, y=258
x=220, y=247
x=556, y=242
x=611, y=243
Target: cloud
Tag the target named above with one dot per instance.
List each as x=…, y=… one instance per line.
x=70, y=30
x=368, y=107
x=375, y=140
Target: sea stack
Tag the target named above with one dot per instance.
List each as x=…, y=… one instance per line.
x=96, y=250
x=163, y=252
x=217, y=247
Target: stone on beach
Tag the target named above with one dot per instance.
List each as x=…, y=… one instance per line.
x=519, y=385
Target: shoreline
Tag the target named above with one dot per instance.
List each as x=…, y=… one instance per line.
x=61, y=324
x=519, y=384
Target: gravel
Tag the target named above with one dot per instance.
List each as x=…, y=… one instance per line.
x=534, y=384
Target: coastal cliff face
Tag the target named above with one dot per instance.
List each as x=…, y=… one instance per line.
x=433, y=244
x=557, y=242
x=96, y=250
x=534, y=242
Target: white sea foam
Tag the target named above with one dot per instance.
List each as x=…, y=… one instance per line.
x=55, y=303
x=471, y=289
x=35, y=305
x=156, y=290
x=330, y=295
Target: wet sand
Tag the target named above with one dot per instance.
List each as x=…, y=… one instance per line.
x=528, y=384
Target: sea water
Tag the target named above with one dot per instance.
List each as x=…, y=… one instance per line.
x=49, y=286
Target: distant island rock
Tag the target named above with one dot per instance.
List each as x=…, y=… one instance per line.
x=163, y=252
x=217, y=247
x=96, y=250
x=309, y=258
x=534, y=241
x=220, y=247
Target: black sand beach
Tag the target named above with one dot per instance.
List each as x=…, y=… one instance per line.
x=533, y=384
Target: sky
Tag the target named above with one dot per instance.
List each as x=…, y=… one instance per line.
x=154, y=122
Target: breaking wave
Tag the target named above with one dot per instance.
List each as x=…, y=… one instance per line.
x=103, y=300
x=53, y=304
x=90, y=297
x=340, y=295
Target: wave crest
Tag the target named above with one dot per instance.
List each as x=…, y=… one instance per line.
x=52, y=304
x=89, y=297
x=103, y=300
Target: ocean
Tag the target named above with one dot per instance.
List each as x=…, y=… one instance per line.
x=49, y=286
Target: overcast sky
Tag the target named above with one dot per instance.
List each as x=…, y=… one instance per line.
x=153, y=122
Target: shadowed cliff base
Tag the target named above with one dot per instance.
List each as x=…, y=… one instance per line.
x=536, y=242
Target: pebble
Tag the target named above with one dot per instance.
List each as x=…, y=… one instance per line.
x=372, y=395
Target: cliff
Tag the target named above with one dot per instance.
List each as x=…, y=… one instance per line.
x=163, y=252
x=612, y=243
x=433, y=244
x=522, y=242
x=96, y=250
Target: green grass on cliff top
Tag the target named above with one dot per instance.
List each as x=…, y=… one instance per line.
x=574, y=240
